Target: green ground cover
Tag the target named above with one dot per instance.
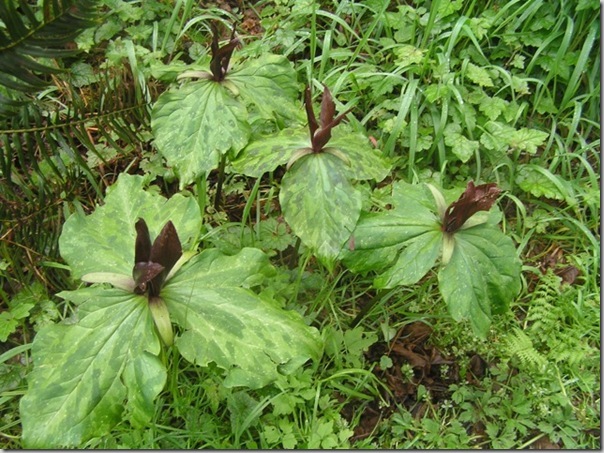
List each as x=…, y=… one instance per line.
x=367, y=224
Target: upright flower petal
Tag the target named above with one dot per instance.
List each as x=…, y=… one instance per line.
x=474, y=199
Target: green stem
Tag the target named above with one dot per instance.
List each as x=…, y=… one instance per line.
x=217, y=199
x=202, y=194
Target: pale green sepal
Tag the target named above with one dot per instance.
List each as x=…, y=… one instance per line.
x=231, y=87
x=195, y=75
x=120, y=281
x=339, y=154
x=299, y=153
x=161, y=317
x=448, y=247
x=185, y=257
x=441, y=204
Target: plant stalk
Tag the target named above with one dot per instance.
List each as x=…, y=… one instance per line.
x=220, y=182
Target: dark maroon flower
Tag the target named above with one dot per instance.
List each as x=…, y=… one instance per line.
x=221, y=55
x=320, y=131
x=474, y=199
x=152, y=263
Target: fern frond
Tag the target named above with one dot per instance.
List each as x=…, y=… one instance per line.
x=29, y=36
x=47, y=157
x=518, y=344
x=555, y=326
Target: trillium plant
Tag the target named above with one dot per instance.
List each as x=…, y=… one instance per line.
x=196, y=124
x=318, y=196
x=479, y=271
x=107, y=362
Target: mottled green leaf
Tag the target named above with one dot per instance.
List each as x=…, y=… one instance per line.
x=145, y=377
x=320, y=204
x=416, y=259
x=213, y=269
x=366, y=162
x=77, y=388
x=104, y=240
x=482, y=276
x=196, y=123
x=267, y=153
x=252, y=339
x=378, y=237
x=391, y=228
x=268, y=82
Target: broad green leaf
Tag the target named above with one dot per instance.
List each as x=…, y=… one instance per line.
x=214, y=269
x=365, y=260
x=416, y=259
x=320, y=204
x=104, y=240
x=366, y=162
x=385, y=229
x=266, y=154
x=482, y=276
x=197, y=123
x=415, y=197
x=378, y=237
x=268, y=82
x=249, y=337
x=78, y=385
x=145, y=377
